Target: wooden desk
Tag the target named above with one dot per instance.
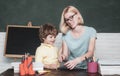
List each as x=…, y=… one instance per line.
x=10, y=72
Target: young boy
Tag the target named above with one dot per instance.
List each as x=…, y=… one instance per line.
x=47, y=53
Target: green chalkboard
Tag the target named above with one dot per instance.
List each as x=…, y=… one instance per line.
x=103, y=15
x=21, y=40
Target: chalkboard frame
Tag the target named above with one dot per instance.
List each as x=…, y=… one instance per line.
x=17, y=55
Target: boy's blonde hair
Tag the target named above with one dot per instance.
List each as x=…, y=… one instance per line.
x=63, y=25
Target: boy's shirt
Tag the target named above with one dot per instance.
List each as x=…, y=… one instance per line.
x=47, y=54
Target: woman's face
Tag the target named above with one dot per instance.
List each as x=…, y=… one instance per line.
x=71, y=19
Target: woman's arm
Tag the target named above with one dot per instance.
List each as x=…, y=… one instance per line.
x=91, y=49
x=72, y=63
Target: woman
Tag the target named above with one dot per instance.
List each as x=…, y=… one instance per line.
x=78, y=41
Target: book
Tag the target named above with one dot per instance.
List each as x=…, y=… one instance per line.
x=109, y=67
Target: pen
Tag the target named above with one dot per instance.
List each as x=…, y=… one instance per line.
x=94, y=59
x=86, y=59
x=29, y=64
x=91, y=59
x=97, y=60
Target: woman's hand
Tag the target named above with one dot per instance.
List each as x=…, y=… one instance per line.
x=72, y=63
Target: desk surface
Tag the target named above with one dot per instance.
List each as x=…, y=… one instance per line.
x=9, y=72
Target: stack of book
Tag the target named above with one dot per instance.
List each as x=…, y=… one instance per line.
x=109, y=67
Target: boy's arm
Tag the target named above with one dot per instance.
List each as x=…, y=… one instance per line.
x=38, y=56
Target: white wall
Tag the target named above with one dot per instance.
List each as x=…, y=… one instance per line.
x=107, y=46
x=2, y=41
x=4, y=62
x=2, y=44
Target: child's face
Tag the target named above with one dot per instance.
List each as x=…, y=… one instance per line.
x=50, y=39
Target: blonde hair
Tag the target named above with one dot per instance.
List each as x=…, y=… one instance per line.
x=63, y=25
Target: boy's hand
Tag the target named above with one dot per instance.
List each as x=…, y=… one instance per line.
x=51, y=66
x=61, y=58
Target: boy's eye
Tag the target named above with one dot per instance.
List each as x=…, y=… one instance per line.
x=51, y=37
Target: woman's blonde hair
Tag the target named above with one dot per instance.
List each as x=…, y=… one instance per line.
x=63, y=25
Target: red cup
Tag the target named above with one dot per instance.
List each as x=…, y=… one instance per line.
x=30, y=66
x=21, y=69
x=92, y=67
